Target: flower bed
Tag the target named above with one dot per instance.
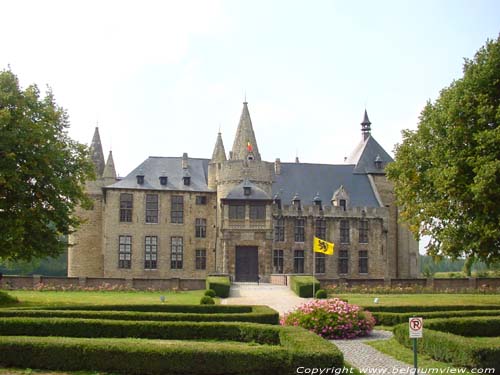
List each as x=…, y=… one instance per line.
x=331, y=319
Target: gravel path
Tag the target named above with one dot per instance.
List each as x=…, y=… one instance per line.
x=282, y=299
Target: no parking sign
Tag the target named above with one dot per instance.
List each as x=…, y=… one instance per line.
x=416, y=328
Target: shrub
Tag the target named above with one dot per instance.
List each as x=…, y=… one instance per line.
x=321, y=294
x=421, y=308
x=210, y=293
x=196, y=309
x=331, y=319
x=450, y=348
x=219, y=284
x=303, y=285
x=207, y=300
x=483, y=326
x=6, y=298
x=256, y=314
x=390, y=319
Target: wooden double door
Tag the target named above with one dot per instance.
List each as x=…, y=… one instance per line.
x=247, y=264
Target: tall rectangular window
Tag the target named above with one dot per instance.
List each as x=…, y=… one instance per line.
x=363, y=261
x=126, y=203
x=200, y=228
x=257, y=212
x=344, y=231
x=298, y=261
x=237, y=211
x=201, y=259
x=321, y=228
x=320, y=262
x=151, y=208
x=277, y=261
x=343, y=262
x=124, y=251
x=279, y=230
x=299, y=230
x=177, y=209
x=150, y=252
x=176, y=253
x=363, y=231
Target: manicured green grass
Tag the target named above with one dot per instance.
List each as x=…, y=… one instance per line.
x=395, y=349
x=421, y=299
x=29, y=298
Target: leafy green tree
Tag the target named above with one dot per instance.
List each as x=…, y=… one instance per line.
x=42, y=173
x=447, y=173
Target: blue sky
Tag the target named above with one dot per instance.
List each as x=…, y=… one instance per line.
x=161, y=77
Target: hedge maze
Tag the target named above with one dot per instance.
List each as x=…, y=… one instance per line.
x=159, y=339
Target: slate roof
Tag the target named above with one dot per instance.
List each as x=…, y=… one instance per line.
x=256, y=193
x=364, y=155
x=154, y=167
x=324, y=179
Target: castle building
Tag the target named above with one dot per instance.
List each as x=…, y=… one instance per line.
x=183, y=217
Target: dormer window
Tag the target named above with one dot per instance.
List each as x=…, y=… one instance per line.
x=343, y=204
x=140, y=179
x=378, y=162
x=250, y=157
x=247, y=190
x=277, y=201
x=187, y=180
x=163, y=180
x=317, y=201
x=296, y=201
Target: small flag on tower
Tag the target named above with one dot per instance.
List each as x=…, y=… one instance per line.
x=322, y=246
x=249, y=146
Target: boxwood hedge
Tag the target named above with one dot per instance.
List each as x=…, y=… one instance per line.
x=453, y=348
x=220, y=284
x=293, y=347
x=419, y=308
x=390, y=319
x=303, y=285
x=195, y=309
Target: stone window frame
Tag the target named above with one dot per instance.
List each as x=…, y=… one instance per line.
x=124, y=251
x=151, y=252
x=300, y=229
x=201, y=199
x=152, y=213
x=343, y=262
x=320, y=228
x=257, y=212
x=176, y=252
x=278, y=261
x=200, y=228
x=201, y=259
x=345, y=236
x=363, y=230
x=299, y=261
x=126, y=207
x=237, y=211
x=177, y=209
x=320, y=263
x=363, y=262
x=279, y=229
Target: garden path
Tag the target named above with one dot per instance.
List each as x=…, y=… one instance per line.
x=356, y=352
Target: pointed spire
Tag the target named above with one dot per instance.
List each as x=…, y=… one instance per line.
x=365, y=126
x=109, y=169
x=96, y=153
x=245, y=144
x=219, y=154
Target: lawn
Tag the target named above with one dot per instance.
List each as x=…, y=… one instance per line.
x=44, y=298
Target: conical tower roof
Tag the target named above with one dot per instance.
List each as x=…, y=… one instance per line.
x=96, y=153
x=245, y=144
x=109, y=169
x=219, y=154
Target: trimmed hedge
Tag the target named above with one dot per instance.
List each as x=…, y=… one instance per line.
x=210, y=293
x=7, y=299
x=303, y=285
x=481, y=326
x=390, y=319
x=193, y=309
x=451, y=348
x=207, y=300
x=256, y=314
x=220, y=284
x=297, y=347
x=419, y=308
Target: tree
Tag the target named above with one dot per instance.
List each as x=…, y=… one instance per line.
x=42, y=173
x=446, y=173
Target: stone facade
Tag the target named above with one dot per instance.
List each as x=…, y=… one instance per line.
x=244, y=217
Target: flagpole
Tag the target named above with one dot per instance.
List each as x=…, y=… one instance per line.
x=314, y=266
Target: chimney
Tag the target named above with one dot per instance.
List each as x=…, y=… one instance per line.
x=297, y=160
x=277, y=166
x=185, y=160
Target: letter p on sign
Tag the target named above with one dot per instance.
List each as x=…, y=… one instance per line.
x=416, y=328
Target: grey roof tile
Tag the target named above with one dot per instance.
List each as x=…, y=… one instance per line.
x=365, y=155
x=256, y=193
